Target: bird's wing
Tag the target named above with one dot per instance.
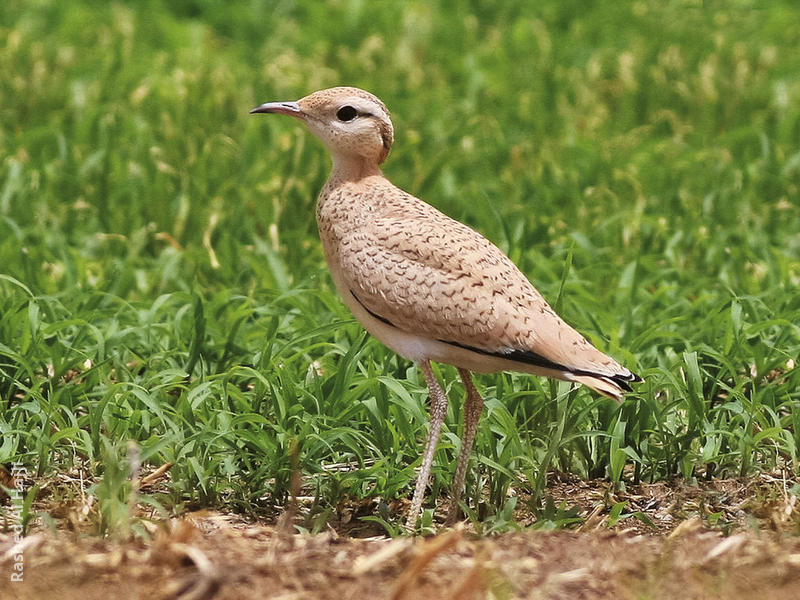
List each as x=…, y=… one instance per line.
x=429, y=273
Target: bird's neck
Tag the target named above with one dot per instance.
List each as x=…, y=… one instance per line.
x=352, y=168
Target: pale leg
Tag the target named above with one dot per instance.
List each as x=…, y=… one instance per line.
x=438, y=411
x=473, y=406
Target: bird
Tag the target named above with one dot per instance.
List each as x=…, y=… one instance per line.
x=429, y=287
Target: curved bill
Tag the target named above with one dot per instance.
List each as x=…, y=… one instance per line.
x=281, y=108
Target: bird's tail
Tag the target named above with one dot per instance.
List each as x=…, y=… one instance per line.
x=611, y=386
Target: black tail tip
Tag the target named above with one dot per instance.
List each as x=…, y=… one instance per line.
x=624, y=381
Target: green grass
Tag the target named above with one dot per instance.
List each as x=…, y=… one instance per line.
x=161, y=280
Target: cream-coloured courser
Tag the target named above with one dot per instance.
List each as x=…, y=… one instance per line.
x=429, y=287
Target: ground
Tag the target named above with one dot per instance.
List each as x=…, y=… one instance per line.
x=720, y=539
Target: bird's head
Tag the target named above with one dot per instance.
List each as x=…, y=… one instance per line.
x=353, y=124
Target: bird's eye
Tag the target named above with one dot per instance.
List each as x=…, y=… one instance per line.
x=347, y=113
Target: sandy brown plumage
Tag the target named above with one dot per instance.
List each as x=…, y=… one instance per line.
x=421, y=271
x=427, y=286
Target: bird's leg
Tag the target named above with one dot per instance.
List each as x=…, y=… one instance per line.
x=438, y=411
x=473, y=406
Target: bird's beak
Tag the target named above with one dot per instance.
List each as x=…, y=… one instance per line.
x=282, y=108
